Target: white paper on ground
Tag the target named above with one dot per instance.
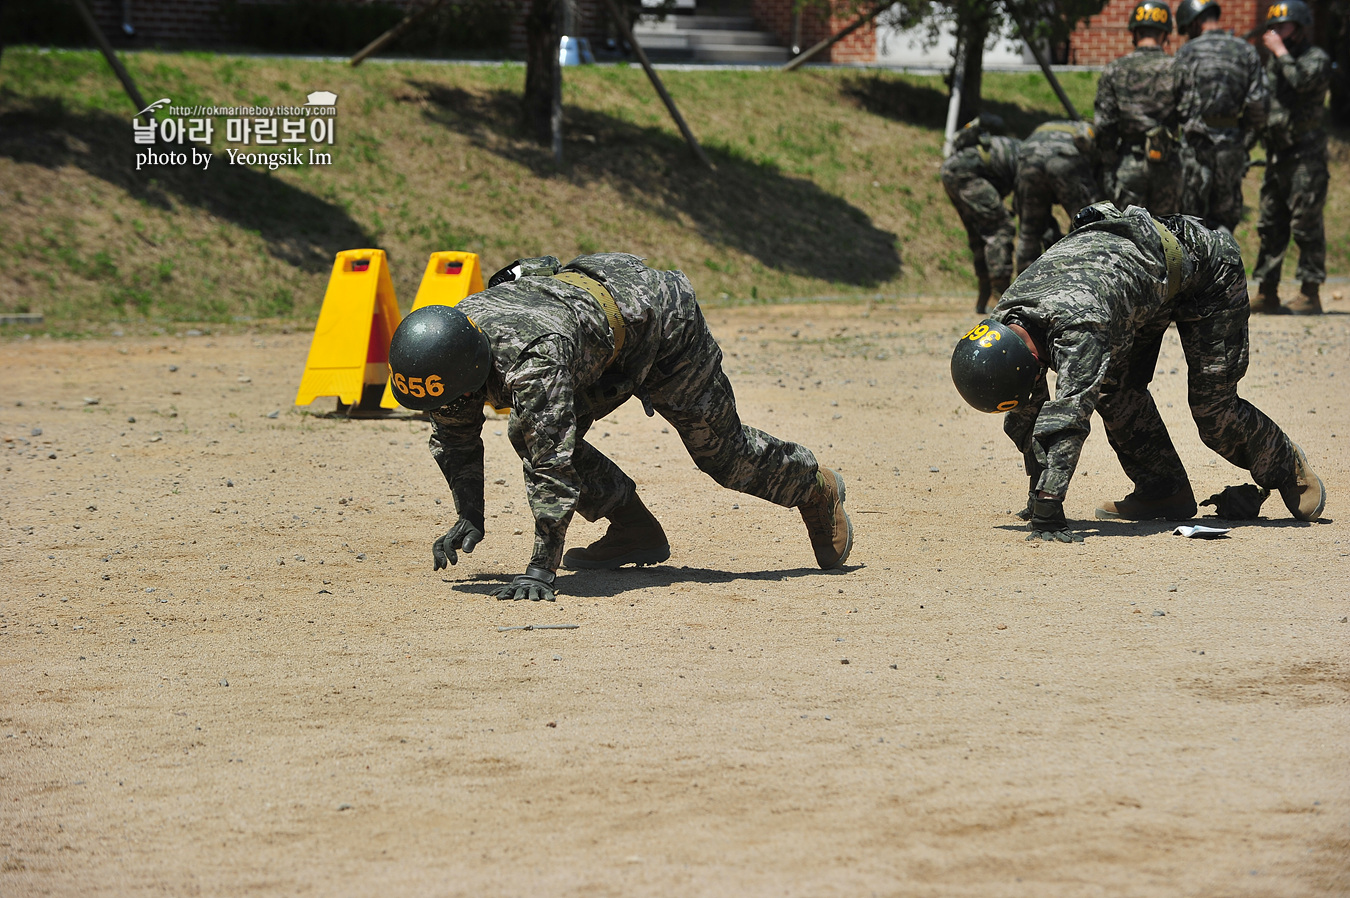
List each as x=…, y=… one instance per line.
x=1197, y=531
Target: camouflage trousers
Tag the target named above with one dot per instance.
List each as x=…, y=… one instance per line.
x=1215, y=344
x=1067, y=180
x=1293, y=193
x=989, y=227
x=1213, y=174
x=1154, y=185
x=687, y=386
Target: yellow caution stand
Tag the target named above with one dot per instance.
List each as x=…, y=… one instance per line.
x=450, y=276
x=349, y=355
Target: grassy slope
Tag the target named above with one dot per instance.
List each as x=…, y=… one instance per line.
x=826, y=183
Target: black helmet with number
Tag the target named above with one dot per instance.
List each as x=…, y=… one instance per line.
x=1189, y=10
x=1295, y=11
x=993, y=369
x=1152, y=14
x=437, y=355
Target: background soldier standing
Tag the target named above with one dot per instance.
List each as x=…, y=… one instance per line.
x=1057, y=163
x=1136, y=118
x=562, y=348
x=1294, y=189
x=1223, y=109
x=978, y=174
x=1095, y=308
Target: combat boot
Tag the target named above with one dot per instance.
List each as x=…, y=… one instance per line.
x=982, y=300
x=1308, y=301
x=996, y=288
x=634, y=536
x=1305, y=496
x=1180, y=506
x=1267, y=301
x=827, y=523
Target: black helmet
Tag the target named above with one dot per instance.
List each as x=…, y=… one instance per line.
x=1152, y=14
x=993, y=369
x=1295, y=11
x=1189, y=10
x=437, y=354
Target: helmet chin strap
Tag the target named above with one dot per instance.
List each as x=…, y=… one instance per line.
x=1029, y=340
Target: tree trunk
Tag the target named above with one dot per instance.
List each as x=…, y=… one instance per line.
x=972, y=31
x=542, y=75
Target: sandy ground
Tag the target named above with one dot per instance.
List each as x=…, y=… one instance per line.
x=228, y=667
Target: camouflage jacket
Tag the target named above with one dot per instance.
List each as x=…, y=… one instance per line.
x=1298, y=85
x=551, y=348
x=992, y=158
x=1058, y=139
x=1137, y=93
x=1223, y=89
x=1086, y=298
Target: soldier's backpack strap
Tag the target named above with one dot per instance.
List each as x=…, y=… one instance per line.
x=604, y=299
x=1172, y=251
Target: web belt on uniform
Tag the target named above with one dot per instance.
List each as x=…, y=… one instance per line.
x=1172, y=251
x=603, y=298
x=1221, y=121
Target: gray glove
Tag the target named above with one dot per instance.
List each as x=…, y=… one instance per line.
x=536, y=584
x=464, y=535
x=1048, y=523
x=1238, y=503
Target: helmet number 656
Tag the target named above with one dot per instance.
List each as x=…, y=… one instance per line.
x=419, y=387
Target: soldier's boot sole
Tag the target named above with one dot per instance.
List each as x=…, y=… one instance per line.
x=1308, y=496
x=1180, y=506
x=584, y=560
x=827, y=524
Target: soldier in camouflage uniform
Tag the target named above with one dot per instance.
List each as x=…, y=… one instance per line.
x=1095, y=308
x=1223, y=108
x=978, y=174
x=1136, y=118
x=1057, y=163
x=562, y=348
x=1294, y=189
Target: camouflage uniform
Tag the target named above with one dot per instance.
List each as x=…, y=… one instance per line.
x=1294, y=189
x=1099, y=302
x=1223, y=108
x=1136, y=105
x=552, y=364
x=1056, y=164
x=977, y=178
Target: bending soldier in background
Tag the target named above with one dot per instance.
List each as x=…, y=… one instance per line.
x=1095, y=308
x=1136, y=118
x=1057, y=163
x=1223, y=109
x=564, y=347
x=978, y=174
x=1294, y=189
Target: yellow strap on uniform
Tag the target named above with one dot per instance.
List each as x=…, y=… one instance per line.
x=1172, y=250
x=1221, y=121
x=985, y=155
x=605, y=299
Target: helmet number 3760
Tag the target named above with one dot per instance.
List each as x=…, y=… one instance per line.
x=419, y=387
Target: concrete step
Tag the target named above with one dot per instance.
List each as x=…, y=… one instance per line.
x=695, y=23
x=762, y=55
x=674, y=39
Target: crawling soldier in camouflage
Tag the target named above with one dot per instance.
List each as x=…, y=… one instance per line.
x=978, y=174
x=1057, y=163
x=1294, y=189
x=1223, y=109
x=1095, y=308
x=1136, y=118
x=563, y=347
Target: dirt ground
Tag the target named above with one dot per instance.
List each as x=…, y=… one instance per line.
x=228, y=667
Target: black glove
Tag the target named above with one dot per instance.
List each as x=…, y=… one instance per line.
x=1025, y=514
x=1048, y=523
x=1238, y=503
x=464, y=535
x=536, y=584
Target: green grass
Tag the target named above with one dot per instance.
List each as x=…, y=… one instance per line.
x=826, y=184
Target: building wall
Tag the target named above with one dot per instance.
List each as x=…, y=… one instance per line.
x=1105, y=37
x=775, y=17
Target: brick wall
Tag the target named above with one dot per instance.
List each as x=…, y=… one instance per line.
x=775, y=16
x=1105, y=37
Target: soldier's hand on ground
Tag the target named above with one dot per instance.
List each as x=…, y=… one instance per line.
x=1238, y=503
x=1048, y=523
x=1025, y=514
x=464, y=535
x=536, y=585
